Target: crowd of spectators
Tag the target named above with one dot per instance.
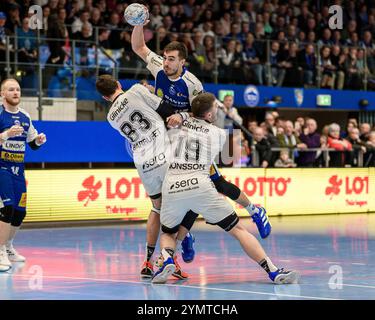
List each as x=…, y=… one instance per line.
x=278, y=142
x=282, y=143
x=225, y=39
x=266, y=42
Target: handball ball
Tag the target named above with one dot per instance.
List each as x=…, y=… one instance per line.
x=136, y=14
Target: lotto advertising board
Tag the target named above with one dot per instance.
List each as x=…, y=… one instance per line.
x=72, y=195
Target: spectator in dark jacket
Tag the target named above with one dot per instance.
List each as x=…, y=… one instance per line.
x=369, y=159
x=294, y=73
x=4, y=32
x=338, y=60
x=307, y=61
x=364, y=129
x=311, y=139
x=263, y=147
x=289, y=139
x=277, y=61
x=357, y=144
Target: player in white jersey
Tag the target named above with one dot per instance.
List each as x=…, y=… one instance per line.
x=179, y=87
x=187, y=186
x=138, y=116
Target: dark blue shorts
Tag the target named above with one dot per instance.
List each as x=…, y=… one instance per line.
x=13, y=190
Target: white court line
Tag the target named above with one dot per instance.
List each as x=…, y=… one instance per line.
x=332, y=262
x=358, y=264
x=309, y=261
x=184, y=286
x=354, y=285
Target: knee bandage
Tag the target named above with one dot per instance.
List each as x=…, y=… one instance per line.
x=227, y=189
x=229, y=222
x=169, y=230
x=189, y=219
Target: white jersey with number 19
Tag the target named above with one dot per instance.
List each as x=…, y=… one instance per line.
x=187, y=185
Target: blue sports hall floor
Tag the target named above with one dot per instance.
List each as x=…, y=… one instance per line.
x=334, y=254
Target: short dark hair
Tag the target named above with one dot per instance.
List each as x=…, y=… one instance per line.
x=179, y=46
x=84, y=11
x=106, y=85
x=202, y=103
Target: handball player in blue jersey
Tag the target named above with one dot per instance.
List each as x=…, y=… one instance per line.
x=16, y=130
x=178, y=86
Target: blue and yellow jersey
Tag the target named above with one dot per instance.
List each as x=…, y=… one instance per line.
x=178, y=92
x=12, y=151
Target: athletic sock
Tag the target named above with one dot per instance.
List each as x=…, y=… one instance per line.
x=267, y=265
x=9, y=244
x=251, y=209
x=178, y=245
x=149, y=251
x=167, y=253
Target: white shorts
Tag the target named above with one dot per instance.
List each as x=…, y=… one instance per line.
x=153, y=179
x=189, y=192
x=152, y=168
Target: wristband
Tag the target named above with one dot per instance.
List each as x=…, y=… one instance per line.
x=45, y=140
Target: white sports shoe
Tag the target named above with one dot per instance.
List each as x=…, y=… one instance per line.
x=5, y=264
x=13, y=255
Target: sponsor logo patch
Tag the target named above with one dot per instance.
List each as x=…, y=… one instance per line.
x=159, y=159
x=22, y=202
x=193, y=126
x=160, y=93
x=196, y=92
x=19, y=146
x=12, y=157
x=298, y=96
x=156, y=62
x=184, y=184
x=251, y=96
x=118, y=110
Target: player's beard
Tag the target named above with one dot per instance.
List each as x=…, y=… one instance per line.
x=12, y=102
x=171, y=73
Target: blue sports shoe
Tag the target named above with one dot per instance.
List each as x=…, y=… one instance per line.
x=284, y=277
x=188, y=251
x=162, y=275
x=262, y=222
